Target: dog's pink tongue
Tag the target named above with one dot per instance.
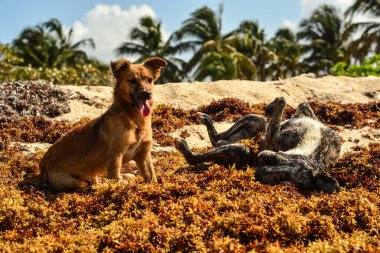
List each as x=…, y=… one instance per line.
x=144, y=107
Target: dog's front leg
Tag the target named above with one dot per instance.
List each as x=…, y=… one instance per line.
x=145, y=166
x=113, y=167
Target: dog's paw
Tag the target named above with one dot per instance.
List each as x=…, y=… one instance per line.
x=181, y=145
x=128, y=176
x=203, y=118
x=280, y=102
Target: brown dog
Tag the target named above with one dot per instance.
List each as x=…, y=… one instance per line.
x=121, y=134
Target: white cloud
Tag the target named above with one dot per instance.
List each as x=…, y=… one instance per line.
x=289, y=24
x=109, y=26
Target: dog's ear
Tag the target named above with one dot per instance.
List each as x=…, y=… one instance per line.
x=155, y=64
x=118, y=67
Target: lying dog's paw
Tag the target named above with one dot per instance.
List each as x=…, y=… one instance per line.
x=203, y=118
x=180, y=144
x=281, y=102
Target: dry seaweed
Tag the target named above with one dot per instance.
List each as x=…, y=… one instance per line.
x=32, y=98
x=359, y=168
x=219, y=209
x=167, y=119
x=230, y=109
x=34, y=129
x=351, y=115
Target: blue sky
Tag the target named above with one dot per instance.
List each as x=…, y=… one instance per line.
x=108, y=22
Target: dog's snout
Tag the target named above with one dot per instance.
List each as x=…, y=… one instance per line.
x=304, y=105
x=145, y=95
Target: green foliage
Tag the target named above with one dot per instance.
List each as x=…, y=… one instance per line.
x=325, y=41
x=8, y=60
x=214, y=57
x=326, y=36
x=370, y=67
x=285, y=45
x=78, y=74
x=48, y=46
x=249, y=39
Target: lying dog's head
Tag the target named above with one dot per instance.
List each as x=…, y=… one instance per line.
x=304, y=110
x=134, y=82
x=303, y=171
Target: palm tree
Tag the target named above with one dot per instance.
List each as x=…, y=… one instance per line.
x=204, y=33
x=148, y=42
x=364, y=6
x=285, y=45
x=249, y=39
x=46, y=45
x=203, y=30
x=227, y=64
x=326, y=37
x=369, y=39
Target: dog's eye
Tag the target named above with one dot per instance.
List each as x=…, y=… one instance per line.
x=133, y=81
x=150, y=80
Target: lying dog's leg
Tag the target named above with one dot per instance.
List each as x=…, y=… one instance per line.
x=245, y=128
x=212, y=133
x=273, y=128
x=225, y=155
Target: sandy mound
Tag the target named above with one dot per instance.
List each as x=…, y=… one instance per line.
x=94, y=100
x=295, y=90
x=192, y=95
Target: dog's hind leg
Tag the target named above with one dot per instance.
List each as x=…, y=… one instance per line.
x=245, y=128
x=113, y=167
x=65, y=182
x=224, y=155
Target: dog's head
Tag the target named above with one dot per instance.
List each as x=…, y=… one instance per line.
x=299, y=169
x=134, y=82
x=304, y=110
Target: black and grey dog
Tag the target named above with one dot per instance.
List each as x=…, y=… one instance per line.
x=298, y=150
